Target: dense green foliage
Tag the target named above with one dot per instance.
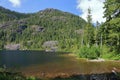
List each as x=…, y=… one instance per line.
x=89, y=30
x=45, y=25
x=88, y=48
x=7, y=15
x=111, y=28
x=106, y=36
x=73, y=33
x=89, y=52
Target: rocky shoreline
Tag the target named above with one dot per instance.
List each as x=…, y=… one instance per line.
x=104, y=76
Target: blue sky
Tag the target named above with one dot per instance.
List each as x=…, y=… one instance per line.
x=78, y=7
x=28, y=6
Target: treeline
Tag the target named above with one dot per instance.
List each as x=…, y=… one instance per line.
x=8, y=15
x=72, y=32
x=46, y=25
x=104, y=39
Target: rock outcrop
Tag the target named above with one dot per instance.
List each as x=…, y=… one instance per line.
x=50, y=46
x=12, y=47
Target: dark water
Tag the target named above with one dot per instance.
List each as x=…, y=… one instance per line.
x=16, y=59
x=46, y=64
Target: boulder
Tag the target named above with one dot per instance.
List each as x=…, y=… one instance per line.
x=12, y=47
x=50, y=46
x=38, y=28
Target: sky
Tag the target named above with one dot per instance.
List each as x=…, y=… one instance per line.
x=77, y=7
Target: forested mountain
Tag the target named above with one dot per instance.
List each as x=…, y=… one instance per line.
x=52, y=29
x=31, y=31
x=7, y=15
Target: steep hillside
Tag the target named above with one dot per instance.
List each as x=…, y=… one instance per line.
x=7, y=15
x=49, y=25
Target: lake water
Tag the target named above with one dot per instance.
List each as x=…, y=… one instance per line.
x=48, y=64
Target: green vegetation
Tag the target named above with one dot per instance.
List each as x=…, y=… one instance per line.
x=46, y=25
x=89, y=52
x=7, y=15
x=106, y=36
x=89, y=47
x=73, y=34
x=111, y=28
x=9, y=75
x=16, y=76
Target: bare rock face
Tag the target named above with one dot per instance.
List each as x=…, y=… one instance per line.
x=51, y=46
x=21, y=28
x=38, y=28
x=12, y=47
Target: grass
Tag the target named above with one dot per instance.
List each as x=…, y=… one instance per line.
x=97, y=52
x=111, y=56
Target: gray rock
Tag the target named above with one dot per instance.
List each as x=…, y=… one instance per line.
x=50, y=46
x=38, y=28
x=79, y=31
x=12, y=47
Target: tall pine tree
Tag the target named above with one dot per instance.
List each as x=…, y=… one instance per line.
x=111, y=28
x=89, y=30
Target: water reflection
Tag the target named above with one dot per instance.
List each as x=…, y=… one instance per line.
x=35, y=63
x=26, y=58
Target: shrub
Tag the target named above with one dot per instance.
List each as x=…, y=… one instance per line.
x=89, y=52
x=31, y=78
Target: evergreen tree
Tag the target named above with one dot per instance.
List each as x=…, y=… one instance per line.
x=89, y=30
x=96, y=33
x=111, y=27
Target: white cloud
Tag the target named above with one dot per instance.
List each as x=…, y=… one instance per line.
x=15, y=3
x=96, y=7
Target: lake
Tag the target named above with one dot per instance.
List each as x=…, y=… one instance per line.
x=48, y=64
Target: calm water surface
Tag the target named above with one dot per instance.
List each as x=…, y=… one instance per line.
x=46, y=64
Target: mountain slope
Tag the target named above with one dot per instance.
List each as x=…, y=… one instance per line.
x=46, y=25
x=7, y=15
